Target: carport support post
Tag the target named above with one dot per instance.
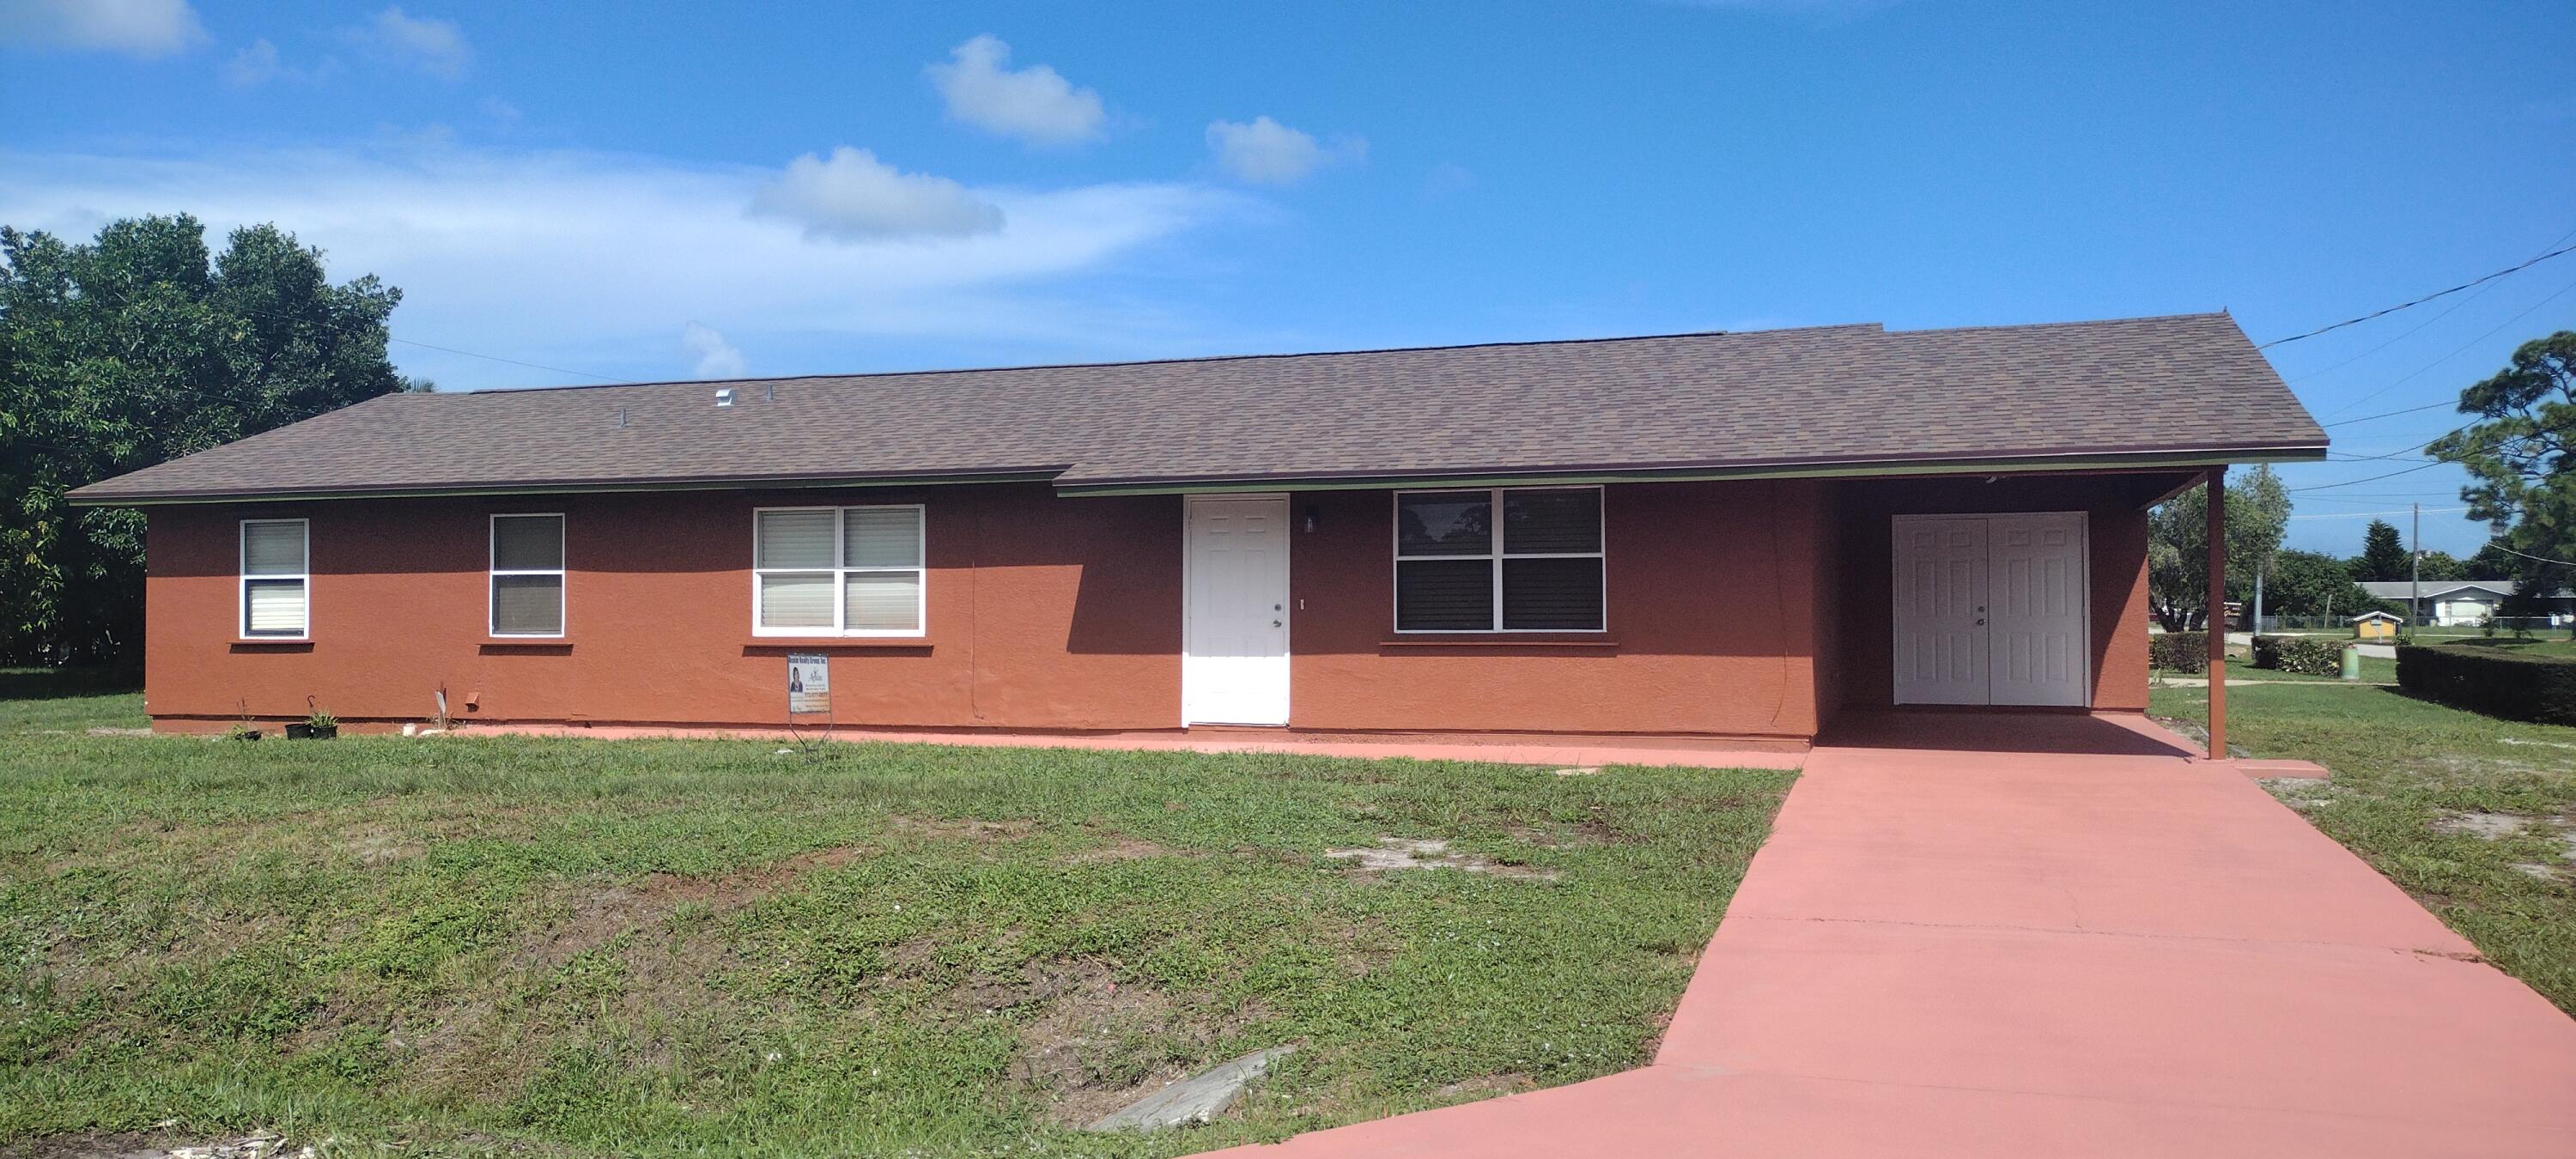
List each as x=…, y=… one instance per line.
x=2217, y=613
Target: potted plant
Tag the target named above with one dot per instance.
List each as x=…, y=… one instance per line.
x=321, y=725
x=242, y=731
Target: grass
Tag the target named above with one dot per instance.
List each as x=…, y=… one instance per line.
x=487, y=945
x=2374, y=670
x=2404, y=770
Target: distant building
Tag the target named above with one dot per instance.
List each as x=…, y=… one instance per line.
x=2462, y=603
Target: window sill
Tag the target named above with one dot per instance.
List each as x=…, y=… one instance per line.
x=1554, y=641
x=506, y=645
x=270, y=644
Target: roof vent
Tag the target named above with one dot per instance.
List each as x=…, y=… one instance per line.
x=724, y=397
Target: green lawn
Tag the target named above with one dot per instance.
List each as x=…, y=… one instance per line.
x=2405, y=772
x=489, y=945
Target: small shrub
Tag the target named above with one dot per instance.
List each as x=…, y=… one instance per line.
x=2541, y=689
x=2306, y=655
x=2179, y=651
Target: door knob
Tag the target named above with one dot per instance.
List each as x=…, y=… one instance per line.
x=1275, y=623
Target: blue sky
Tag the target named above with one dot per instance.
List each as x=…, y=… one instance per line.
x=655, y=193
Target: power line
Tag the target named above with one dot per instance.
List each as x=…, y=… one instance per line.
x=2525, y=555
x=2562, y=292
x=2376, y=514
x=443, y=349
x=2373, y=478
x=498, y=358
x=2418, y=328
x=2419, y=301
x=2388, y=414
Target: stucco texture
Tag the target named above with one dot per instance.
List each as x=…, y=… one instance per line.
x=1738, y=609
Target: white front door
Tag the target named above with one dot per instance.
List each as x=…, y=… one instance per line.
x=2036, y=584
x=1941, y=648
x=1234, y=656
x=1990, y=609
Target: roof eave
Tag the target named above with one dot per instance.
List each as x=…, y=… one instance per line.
x=2036, y=463
x=563, y=487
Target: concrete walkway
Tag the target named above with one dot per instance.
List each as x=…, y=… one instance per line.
x=1985, y=950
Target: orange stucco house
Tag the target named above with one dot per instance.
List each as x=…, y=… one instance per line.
x=1726, y=536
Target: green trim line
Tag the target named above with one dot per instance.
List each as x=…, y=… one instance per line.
x=1689, y=475
x=569, y=489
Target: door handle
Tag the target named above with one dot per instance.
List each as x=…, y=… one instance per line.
x=1275, y=623
x=1981, y=621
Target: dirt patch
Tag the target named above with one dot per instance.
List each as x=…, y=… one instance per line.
x=2492, y=826
x=1485, y=1087
x=1395, y=854
x=1090, y=1044
x=377, y=846
x=1120, y=849
x=962, y=829
x=148, y=1145
x=595, y=915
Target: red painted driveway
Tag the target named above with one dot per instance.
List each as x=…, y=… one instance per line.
x=2106, y=949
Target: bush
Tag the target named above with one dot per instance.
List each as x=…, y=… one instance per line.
x=2541, y=689
x=2306, y=655
x=2179, y=651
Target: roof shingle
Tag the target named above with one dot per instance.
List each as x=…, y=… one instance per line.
x=1820, y=398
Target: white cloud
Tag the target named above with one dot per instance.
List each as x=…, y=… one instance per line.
x=255, y=65
x=583, y=260
x=716, y=357
x=1266, y=152
x=434, y=46
x=854, y=197
x=1034, y=104
x=145, y=29
x=260, y=64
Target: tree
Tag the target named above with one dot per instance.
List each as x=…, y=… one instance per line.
x=2383, y=554
x=2258, y=513
x=132, y=349
x=2521, y=458
x=2492, y=562
x=2312, y=583
x=2440, y=565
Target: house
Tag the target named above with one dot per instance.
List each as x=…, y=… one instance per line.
x=2459, y=603
x=2375, y=626
x=1718, y=535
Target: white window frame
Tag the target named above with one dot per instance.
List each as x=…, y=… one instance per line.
x=494, y=570
x=841, y=576
x=243, y=578
x=1494, y=555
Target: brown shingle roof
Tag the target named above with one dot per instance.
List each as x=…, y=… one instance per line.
x=1834, y=399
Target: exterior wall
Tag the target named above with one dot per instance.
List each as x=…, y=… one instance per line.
x=2116, y=536
x=1036, y=620
x=1711, y=624
x=1045, y=613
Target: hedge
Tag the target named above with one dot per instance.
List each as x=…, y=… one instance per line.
x=2179, y=651
x=2498, y=683
x=2307, y=655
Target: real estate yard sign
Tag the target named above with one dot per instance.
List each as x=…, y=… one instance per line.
x=809, y=682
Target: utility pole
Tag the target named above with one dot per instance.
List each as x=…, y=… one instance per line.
x=2415, y=570
x=2257, y=625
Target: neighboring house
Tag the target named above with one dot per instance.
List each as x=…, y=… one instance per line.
x=1706, y=535
x=2376, y=626
x=2459, y=603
